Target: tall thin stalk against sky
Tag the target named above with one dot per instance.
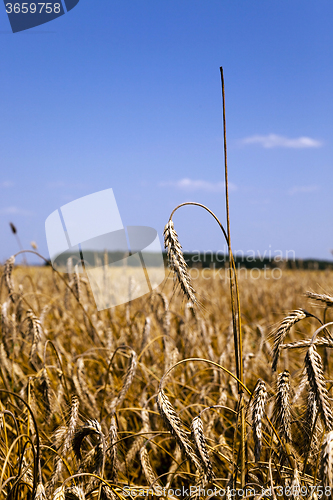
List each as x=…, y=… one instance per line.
x=236, y=318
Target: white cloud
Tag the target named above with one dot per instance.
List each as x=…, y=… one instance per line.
x=62, y=184
x=187, y=184
x=278, y=141
x=6, y=184
x=15, y=211
x=303, y=189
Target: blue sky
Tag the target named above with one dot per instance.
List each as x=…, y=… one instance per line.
x=126, y=94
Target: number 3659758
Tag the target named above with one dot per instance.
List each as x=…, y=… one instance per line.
x=33, y=8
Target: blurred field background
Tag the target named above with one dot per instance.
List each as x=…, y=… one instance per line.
x=91, y=381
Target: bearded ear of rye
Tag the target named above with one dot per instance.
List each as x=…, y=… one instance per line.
x=314, y=369
x=177, y=262
x=175, y=426
x=283, y=330
x=258, y=409
x=198, y=438
x=326, y=460
x=282, y=408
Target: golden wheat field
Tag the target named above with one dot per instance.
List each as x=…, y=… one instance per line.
x=143, y=401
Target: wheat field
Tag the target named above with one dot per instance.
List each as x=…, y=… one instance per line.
x=143, y=399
